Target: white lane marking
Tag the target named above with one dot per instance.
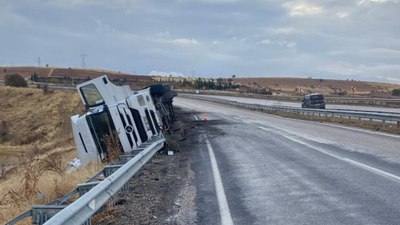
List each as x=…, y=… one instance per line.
x=353, y=162
x=224, y=211
x=196, y=118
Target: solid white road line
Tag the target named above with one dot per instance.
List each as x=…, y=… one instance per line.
x=224, y=211
x=196, y=118
x=353, y=162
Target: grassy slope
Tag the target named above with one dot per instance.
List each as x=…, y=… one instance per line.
x=36, y=136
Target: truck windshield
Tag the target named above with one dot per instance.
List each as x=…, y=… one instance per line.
x=91, y=95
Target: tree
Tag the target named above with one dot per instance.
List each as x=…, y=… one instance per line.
x=396, y=92
x=15, y=80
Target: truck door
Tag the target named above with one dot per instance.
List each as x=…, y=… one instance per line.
x=101, y=126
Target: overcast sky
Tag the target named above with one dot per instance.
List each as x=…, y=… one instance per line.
x=342, y=39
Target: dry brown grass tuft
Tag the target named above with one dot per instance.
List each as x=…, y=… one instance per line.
x=113, y=146
x=41, y=182
x=38, y=140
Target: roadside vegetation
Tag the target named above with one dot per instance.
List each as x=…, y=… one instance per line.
x=36, y=144
x=396, y=92
x=15, y=80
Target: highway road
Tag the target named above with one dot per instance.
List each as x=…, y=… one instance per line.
x=298, y=104
x=254, y=168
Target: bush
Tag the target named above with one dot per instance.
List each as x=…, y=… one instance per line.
x=396, y=92
x=3, y=131
x=15, y=80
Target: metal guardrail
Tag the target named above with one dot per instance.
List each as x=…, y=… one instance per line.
x=95, y=192
x=391, y=102
x=372, y=116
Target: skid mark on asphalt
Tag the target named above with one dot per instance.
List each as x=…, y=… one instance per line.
x=344, y=159
x=243, y=119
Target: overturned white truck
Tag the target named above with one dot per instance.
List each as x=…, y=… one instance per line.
x=133, y=117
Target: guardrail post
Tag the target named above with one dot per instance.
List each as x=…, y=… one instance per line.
x=42, y=213
x=124, y=159
x=85, y=187
x=108, y=170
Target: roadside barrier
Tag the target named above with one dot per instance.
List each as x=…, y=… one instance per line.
x=384, y=117
x=95, y=192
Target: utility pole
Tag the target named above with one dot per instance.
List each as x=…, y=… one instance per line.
x=39, y=61
x=83, y=56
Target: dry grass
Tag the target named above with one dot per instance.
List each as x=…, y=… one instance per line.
x=31, y=118
x=113, y=146
x=326, y=86
x=36, y=137
x=41, y=181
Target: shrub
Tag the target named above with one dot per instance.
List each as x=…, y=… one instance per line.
x=15, y=80
x=3, y=131
x=396, y=92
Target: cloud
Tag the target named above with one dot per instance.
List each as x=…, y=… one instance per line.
x=286, y=30
x=342, y=15
x=375, y=53
x=392, y=79
x=362, y=2
x=212, y=1
x=302, y=9
x=339, y=68
x=381, y=52
x=184, y=42
x=165, y=37
x=8, y=17
x=281, y=43
x=222, y=57
x=254, y=38
x=180, y=42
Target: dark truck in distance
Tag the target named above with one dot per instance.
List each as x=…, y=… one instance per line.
x=315, y=100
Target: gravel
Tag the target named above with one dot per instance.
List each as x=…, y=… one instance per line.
x=162, y=192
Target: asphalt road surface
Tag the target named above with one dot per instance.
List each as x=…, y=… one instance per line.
x=254, y=168
x=298, y=104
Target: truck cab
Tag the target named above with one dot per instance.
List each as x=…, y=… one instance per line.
x=127, y=117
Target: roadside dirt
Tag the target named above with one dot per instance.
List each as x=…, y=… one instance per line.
x=162, y=191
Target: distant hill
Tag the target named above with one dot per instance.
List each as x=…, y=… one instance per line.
x=296, y=86
x=260, y=85
x=76, y=75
